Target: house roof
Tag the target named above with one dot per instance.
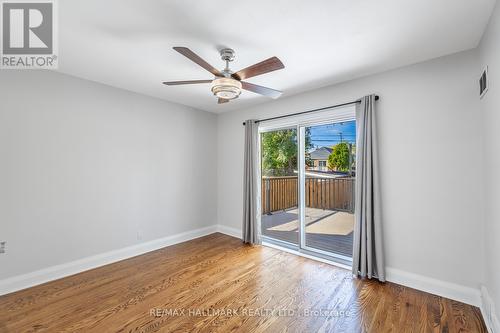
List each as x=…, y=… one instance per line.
x=321, y=153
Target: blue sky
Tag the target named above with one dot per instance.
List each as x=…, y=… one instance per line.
x=331, y=134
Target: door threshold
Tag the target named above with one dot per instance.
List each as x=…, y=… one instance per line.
x=305, y=255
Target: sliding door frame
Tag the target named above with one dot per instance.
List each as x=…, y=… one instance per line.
x=300, y=123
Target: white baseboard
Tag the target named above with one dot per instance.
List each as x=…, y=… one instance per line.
x=442, y=288
x=229, y=231
x=56, y=272
x=488, y=310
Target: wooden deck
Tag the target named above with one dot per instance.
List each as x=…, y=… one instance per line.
x=339, y=244
x=218, y=284
x=280, y=193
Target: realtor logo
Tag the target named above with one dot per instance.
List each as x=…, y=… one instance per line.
x=28, y=34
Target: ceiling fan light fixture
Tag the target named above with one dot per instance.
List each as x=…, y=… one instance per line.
x=227, y=85
x=226, y=88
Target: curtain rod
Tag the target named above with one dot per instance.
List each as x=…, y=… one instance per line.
x=315, y=110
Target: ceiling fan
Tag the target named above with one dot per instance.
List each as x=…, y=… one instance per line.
x=228, y=85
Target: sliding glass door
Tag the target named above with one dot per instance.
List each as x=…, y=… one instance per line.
x=279, y=190
x=327, y=183
x=308, y=177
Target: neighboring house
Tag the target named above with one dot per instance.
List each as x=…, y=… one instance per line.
x=319, y=156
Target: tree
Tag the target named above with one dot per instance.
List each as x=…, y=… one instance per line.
x=279, y=151
x=339, y=158
x=308, y=145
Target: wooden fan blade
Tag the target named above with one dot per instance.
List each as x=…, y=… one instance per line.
x=176, y=83
x=198, y=60
x=261, y=90
x=266, y=66
x=222, y=101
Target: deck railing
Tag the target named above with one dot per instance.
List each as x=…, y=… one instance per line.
x=280, y=193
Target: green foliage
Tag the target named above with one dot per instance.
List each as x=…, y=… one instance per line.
x=339, y=158
x=308, y=146
x=279, y=151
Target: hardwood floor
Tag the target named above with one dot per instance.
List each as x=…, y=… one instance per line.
x=210, y=277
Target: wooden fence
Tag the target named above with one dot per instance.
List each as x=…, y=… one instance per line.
x=280, y=193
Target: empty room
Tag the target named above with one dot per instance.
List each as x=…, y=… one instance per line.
x=249, y=166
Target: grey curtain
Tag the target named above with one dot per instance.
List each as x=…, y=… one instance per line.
x=368, y=257
x=251, y=213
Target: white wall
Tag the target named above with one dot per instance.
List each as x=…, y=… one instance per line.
x=490, y=55
x=430, y=143
x=87, y=168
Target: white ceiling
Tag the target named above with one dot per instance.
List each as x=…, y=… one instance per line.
x=128, y=43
